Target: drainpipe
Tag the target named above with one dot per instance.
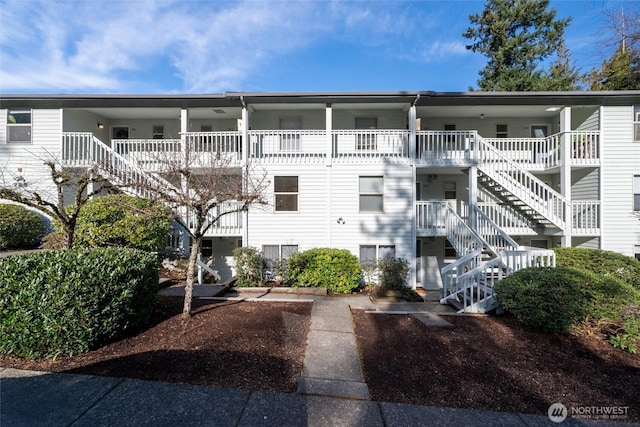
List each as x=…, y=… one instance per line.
x=245, y=166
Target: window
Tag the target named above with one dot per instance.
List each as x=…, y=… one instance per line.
x=206, y=128
x=636, y=252
x=158, y=131
x=207, y=247
x=120, y=132
x=366, y=140
x=371, y=194
x=636, y=123
x=449, y=188
x=290, y=141
x=19, y=126
x=451, y=137
x=285, y=190
x=501, y=131
x=449, y=250
x=274, y=253
x=369, y=253
x=636, y=193
x=539, y=243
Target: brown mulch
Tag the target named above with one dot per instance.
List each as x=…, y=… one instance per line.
x=492, y=363
x=259, y=346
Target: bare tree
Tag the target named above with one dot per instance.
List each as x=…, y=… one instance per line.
x=49, y=197
x=202, y=187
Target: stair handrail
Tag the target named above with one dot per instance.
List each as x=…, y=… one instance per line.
x=449, y=272
x=500, y=240
x=92, y=150
x=523, y=192
x=455, y=222
x=503, y=209
x=485, y=276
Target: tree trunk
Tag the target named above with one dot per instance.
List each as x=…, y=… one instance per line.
x=68, y=236
x=188, y=289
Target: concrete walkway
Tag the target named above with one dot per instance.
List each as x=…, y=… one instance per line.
x=331, y=392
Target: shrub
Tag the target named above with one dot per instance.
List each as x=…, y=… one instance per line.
x=20, y=228
x=337, y=270
x=544, y=297
x=249, y=267
x=54, y=303
x=602, y=263
x=393, y=273
x=557, y=299
x=122, y=220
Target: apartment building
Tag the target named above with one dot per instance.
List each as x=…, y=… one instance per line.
x=458, y=184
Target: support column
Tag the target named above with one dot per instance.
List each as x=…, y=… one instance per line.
x=565, y=172
x=245, y=146
x=328, y=163
x=184, y=152
x=473, y=197
x=411, y=147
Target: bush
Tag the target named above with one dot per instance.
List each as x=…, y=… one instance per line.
x=20, y=228
x=54, y=303
x=557, y=299
x=249, y=266
x=337, y=270
x=122, y=220
x=393, y=273
x=602, y=263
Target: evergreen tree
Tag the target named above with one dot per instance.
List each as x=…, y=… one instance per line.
x=516, y=36
x=620, y=72
x=562, y=75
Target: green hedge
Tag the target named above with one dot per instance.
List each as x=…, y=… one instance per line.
x=557, y=299
x=602, y=263
x=337, y=270
x=249, y=267
x=72, y=301
x=20, y=228
x=123, y=220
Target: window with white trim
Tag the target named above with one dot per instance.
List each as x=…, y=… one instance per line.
x=19, y=126
x=502, y=131
x=636, y=123
x=274, y=253
x=371, y=193
x=372, y=253
x=158, y=131
x=636, y=193
x=285, y=190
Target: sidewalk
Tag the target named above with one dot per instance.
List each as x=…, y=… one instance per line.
x=331, y=392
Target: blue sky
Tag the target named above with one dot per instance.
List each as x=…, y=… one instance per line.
x=199, y=46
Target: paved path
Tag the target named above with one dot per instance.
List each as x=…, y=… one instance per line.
x=331, y=392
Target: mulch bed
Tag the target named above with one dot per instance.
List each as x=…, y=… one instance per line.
x=492, y=363
x=259, y=346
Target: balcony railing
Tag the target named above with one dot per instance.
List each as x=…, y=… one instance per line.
x=445, y=147
x=586, y=217
x=366, y=145
x=288, y=146
x=431, y=218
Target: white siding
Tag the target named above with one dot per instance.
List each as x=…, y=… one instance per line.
x=620, y=161
x=585, y=184
x=27, y=160
x=586, y=118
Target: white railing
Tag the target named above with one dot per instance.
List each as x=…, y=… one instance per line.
x=431, y=218
x=585, y=147
x=474, y=286
x=495, y=237
x=522, y=184
x=529, y=153
x=463, y=239
x=586, y=217
x=221, y=143
x=288, y=146
x=367, y=145
x=445, y=147
x=84, y=149
x=229, y=224
x=149, y=154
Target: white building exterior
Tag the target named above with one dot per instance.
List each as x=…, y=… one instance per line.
x=440, y=179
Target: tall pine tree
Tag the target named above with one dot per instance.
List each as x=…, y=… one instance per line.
x=517, y=36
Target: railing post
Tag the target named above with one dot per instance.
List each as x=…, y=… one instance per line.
x=329, y=136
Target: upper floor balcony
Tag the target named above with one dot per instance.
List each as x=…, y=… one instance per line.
x=428, y=149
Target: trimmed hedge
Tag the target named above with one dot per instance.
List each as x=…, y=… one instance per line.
x=72, y=301
x=20, y=228
x=558, y=299
x=337, y=270
x=602, y=263
x=123, y=220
